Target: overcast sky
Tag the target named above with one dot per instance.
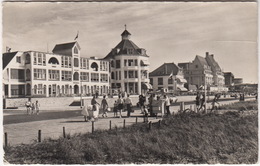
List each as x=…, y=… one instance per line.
x=170, y=32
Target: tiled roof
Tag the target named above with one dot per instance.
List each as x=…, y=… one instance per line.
x=215, y=64
x=165, y=69
x=7, y=57
x=202, y=60
x=123, y=46
x=63, y=47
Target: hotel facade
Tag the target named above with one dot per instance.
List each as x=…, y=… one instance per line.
x=64, y=72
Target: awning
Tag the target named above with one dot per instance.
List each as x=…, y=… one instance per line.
x=182, y=89
x=145, y=63
x=147, y=85
x=182, y=80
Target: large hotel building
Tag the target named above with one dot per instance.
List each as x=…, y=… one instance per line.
x=65, y=72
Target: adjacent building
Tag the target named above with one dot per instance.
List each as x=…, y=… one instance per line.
x=229, y=78
x=129, y=67
x=238, y=81
x=168, y=77
x=64, y=72
x=204, y=71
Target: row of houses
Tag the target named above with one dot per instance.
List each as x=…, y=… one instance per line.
x=190, y=76
x=68, y=72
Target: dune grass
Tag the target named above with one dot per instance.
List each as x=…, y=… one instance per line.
x=241, y=106
x=186, y=138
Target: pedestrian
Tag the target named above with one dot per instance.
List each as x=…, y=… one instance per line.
x=33, y=108
x=202, y=103
x=115, y=109
x=104, y=106
x=28, y=106
x=198, y=101
x=120, y=105
x=95, y=107
x=85, y=113
x=214, y=102
x=37, y=107
x=129, y=104
x=141, y=102
x=167, y=105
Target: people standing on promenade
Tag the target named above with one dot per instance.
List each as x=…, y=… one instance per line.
x=167, y=105
x=37, y=107
x=95, y=106
x=120, y=105
x=128, y=103
x=28, y=105
x=115, y=109
x=104, y=106
x=214, y=102
x=141, y=102
x=33, y=108
x=202, y=103
x=85, y=113
x=198, y=101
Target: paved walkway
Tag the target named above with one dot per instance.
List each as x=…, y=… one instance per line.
x=26, y=130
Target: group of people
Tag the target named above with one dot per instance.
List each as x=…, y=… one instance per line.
x=32, y=108
x=201, y=102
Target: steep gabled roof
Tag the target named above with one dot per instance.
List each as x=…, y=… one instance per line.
x=212, y=60
x=202, y=60
x=165, y=70
x=64, y=48
x=7, y=57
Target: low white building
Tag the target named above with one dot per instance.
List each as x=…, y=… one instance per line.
x=168, y=77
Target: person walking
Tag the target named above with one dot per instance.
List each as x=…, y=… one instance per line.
x=115, y=109
x=198, y=101
x=28, y=106
x=167, y=105
x=129, y=104
x=214, y=102
x=85, y=113
x=120, y=105
x=104, y=106
x=141, y=102
x=95, y=107
x=37, y=107
x=202, y=103
x=33, y=108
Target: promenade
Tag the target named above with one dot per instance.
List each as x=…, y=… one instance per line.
x=22, y=128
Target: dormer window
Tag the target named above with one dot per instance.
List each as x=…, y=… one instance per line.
x=130, y=51
x=76, y=50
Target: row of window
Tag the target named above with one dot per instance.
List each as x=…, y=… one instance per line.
x=127, y=62
x=39, y=58
x=160, y=81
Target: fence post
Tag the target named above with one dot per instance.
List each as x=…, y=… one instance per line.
x=159, y=123
x=110, y=125
x=39, y=136
x=191, y=107
x=6, y=141
x=150, y=125
x=136, y=120
x=124, y=123
x=93, y=126
x=64, y=133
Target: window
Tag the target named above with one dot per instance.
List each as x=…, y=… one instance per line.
x=84, y=63
x=54, y=75
x=112, y=75
x=170, y=81
x=76, y=50
x=151, y=81
x=104, y=78
x=40, y=89
x=66, y=61
x=130, y=62
x=18, y=59
x=125, y=74
x=53, y=60
x=87, y=64
x=131, y=74
x=44, y=59
x=34, y=58
x=27, y=58
x=136, y=76
x=39, y=74
x=160, y=81
x=39, y=58
x=17, y=74
x=17, y=90
x=118, y=64
x=69, y=62
x=84, y=76
x=62, y=61
x=119, y=75
x=28, y=75
x=76, y=76
x=130, y=51
x=136, y=64
x=112, y=63
x=94, y=77
x=66, y=76
x=76, y=62
x=125, y=62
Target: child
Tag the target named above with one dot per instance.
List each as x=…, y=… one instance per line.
x=37, y=107
x=115, y=109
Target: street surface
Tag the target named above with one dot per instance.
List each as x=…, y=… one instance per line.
x=22, y=128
